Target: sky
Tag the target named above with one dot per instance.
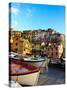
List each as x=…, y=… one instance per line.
x=26, y=16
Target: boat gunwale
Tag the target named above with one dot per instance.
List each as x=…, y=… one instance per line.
x=19, y=74
x=29, y=60
x=34, y=60
x=28, y=66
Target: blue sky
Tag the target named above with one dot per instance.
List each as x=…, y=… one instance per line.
x=37, y=16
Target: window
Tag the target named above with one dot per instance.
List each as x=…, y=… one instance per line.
x=24, y=49
x=17, y=38
x=56, y=48
x=16, y=44
x=56, y=53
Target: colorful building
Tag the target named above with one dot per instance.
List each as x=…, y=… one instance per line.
x=46, y=41
x=18, y=44
x=27, y=35
x=54, y=50
x=27, y=47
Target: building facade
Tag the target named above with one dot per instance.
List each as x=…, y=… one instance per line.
x=46, y=41
x=18, y=44
x=54, y=50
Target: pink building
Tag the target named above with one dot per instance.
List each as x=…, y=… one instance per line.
x=54, y=50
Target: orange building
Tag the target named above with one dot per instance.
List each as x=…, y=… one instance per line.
x=16, y=44
x=14, y=40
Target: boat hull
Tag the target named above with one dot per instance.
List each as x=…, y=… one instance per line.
x=43, y=65
x=27, y=79
x=39, y=63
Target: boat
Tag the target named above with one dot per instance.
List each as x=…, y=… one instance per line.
x=23, y=73
x=14, y=84
x=39, y=61
x=14, y=55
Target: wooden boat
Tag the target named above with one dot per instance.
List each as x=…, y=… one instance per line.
x=42, y=63
x=39, y=62
x=23, y=73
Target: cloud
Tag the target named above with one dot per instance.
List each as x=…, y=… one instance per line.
x=14, y=10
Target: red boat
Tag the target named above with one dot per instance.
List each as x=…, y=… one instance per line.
x=23, y=72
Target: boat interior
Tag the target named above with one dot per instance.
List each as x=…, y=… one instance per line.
x=18, y=67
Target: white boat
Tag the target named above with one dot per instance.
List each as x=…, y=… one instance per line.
x=24, y=73
x=42, y=63
x=14, y=55
x=39, y=62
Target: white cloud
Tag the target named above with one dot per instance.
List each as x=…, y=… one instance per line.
x=14, y=10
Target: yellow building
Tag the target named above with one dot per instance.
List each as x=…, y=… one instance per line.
x=27, y=47
x=13, y=32
x=18, y=44
x=27, y=35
